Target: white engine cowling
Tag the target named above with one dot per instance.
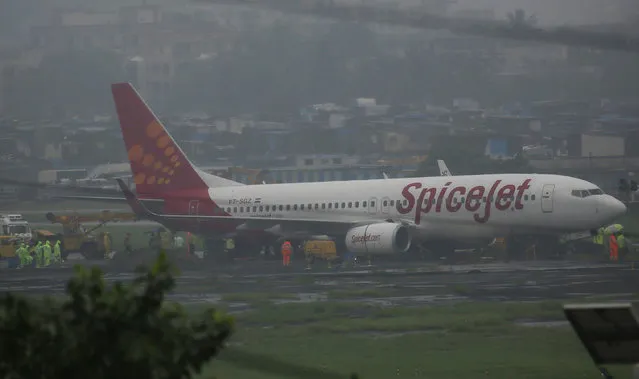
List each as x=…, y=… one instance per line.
x=381, y=238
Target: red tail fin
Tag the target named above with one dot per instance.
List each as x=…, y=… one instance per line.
x=157, y=162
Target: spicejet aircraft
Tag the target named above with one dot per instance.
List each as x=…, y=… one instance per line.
x=372, y=217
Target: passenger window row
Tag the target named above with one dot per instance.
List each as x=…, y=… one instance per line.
x=342, y=205
x=301, y=207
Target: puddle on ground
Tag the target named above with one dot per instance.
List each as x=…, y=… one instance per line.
x=620, y=295
x=196, y=298
x=303, y=298
x=542, y=324
x=381, y=334
x=424, y=299
x=588, y=282
x=327, y=282
x=422, y=286
x=499, y=286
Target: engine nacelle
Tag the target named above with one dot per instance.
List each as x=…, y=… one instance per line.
x=381, y=238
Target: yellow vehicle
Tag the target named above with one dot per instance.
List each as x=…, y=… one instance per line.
x=76, y=238
x=8, y=246
x=322, y=249
x=13, y=231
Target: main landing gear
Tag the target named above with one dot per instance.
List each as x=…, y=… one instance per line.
x=533, y=247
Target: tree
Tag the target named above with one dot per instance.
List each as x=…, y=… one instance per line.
x=99, y=332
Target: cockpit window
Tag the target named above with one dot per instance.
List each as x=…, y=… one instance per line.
x=586, y=193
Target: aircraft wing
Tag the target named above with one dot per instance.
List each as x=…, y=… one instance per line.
x=91, y=198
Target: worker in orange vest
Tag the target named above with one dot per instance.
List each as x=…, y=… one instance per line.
x=287, y=250
x=614, y=248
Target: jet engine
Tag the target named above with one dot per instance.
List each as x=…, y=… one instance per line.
x=381, y=238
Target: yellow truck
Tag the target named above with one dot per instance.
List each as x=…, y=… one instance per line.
x=13, y=231
x=76, y=238
x=322, y=249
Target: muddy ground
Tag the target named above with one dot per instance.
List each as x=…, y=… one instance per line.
x=387, y=284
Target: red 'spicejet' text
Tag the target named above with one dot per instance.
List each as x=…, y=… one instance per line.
x=479, y=200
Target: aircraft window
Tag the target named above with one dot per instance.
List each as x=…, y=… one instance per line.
x=357, y=204
x=267, y=207
x=385, y=203
x=463, y=199
x=532, y=197
x=350, y=204
x=281, y=208
x=323, y=205
x=228, y=210
x=584, y=193
x=372, y=204
x=405, y=202
x=364, y=204
x=392, y=203
x=596, y=191
x=288, y=207
x=310, y=207
x=433, y=200
x=330, y=205
x=234, y=209
x=301, y=206
x=316, y=206
x=294, y=207
x=261, y=208
x=525, y=197
x=343, y=205
x=254, y=209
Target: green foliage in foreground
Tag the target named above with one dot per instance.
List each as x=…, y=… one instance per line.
x=124, y=331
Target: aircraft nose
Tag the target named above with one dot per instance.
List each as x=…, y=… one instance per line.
x=612, y=207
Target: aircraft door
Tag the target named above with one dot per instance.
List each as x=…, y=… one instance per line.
x=547, y=198
x=372, y=205
x=194, y=206
x=385, y=205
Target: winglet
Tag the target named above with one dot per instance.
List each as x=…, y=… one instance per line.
x=443, y=169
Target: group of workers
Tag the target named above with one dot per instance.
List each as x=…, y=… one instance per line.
x=44, y=254
x=613, y=240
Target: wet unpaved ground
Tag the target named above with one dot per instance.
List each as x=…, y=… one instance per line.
x=239, y=285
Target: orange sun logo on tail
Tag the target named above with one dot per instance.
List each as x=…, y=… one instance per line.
x=163, y=158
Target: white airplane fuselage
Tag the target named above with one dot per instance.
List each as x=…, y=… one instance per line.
x=437, y=207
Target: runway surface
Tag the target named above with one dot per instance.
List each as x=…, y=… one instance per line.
x=382, y=284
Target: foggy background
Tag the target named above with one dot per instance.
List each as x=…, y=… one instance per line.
x=260, y=89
